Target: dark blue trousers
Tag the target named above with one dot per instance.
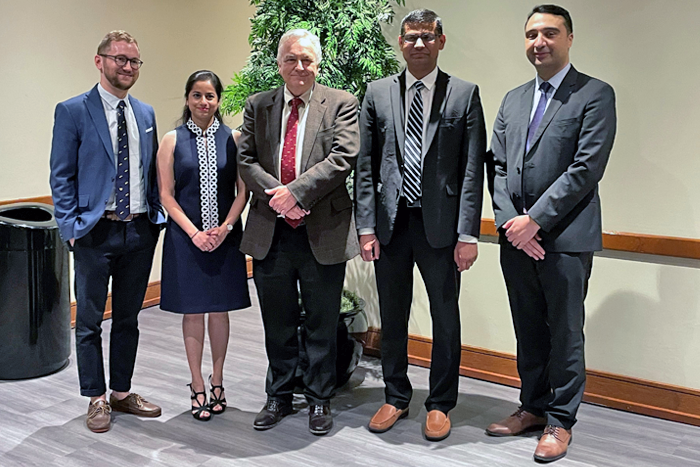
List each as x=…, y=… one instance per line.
x=124, y=252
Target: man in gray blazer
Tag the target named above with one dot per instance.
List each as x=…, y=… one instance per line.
x=418, y=198
x=551, y=142
x=299, y=144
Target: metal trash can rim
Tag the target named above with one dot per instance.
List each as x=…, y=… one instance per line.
x=41, y=211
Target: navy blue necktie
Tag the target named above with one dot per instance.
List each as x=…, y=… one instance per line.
x=412, y=147
x=539, y=113
x=122, y=156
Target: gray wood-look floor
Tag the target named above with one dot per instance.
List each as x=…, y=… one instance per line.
x=42, y=421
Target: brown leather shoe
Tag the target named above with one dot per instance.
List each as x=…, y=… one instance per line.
x=553, y=444
x=135, y=404
x=385, y=418
x=98, y=416
x=437, y=426
x=518, y=423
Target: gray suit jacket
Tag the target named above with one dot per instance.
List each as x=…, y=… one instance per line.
x=453, y=167
x=331, y=143
x=557, y=180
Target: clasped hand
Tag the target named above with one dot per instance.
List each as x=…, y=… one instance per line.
x=284, y=203
x=522, y=232
x=209, y=240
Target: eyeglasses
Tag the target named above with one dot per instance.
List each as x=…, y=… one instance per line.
x=425, y=37
x=121, y=61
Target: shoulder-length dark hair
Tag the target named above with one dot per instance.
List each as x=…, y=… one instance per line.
x=201, y=75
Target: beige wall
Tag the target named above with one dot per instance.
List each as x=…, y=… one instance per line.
x=643, y=313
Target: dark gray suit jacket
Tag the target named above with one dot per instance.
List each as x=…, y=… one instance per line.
x=557, y=180
x=453, y=167
x=331, y=142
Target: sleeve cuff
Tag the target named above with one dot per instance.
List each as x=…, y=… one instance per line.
x=366, y=231
x=467, y=238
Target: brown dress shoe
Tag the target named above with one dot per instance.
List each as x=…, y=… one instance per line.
x=386, y=417
x=134, y=404
x=518, y=423
x=98, y=416
x=437, y=426
x=553, y=444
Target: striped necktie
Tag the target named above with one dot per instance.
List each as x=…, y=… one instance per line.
x=412, y=147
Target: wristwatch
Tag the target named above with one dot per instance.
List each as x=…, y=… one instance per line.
x=229, y=227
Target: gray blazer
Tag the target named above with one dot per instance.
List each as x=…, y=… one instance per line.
x=453, y=167
x=331, y=143
x=557, y=180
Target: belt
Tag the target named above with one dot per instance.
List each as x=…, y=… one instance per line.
x=112, y=216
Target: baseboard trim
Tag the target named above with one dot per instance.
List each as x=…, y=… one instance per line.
x=635, y=395
x=36, y=199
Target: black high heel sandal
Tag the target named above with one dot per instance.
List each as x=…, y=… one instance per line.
x=199, y=408
x=214, y=400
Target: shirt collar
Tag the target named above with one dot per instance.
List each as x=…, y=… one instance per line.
x=110, y=99
x=428, y=80
x=555, y=80
x=305, y=98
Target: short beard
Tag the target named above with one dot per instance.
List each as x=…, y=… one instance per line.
x=114, y=81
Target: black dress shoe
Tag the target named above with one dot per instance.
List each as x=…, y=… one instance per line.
x=320, y=419
x=271, y=414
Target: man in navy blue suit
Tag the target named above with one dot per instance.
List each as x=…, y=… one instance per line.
x=107, y=208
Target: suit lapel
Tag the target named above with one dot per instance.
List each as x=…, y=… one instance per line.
x=274, y=127
x=93, y=102
x=523, y=119
x=141, y=123
x=398, y=92
x=442, y=91
x=314, y=117
x=560, y=96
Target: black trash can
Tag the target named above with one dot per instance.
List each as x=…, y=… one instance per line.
x=34, y=292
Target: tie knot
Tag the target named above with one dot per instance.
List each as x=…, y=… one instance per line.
x=545, y=87
x=419, y=85
x=121, y=105
x=296, y=102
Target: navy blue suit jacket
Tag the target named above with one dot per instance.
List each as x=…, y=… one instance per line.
x=82, y=162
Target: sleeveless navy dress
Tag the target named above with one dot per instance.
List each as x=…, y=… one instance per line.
x=194, y=281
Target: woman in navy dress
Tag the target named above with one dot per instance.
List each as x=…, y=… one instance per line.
x=203, y=270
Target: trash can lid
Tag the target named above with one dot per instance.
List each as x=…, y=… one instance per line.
x=28, y=215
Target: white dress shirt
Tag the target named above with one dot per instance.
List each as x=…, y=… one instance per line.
x=286, y=111
x=137, y=192
x=427, y=93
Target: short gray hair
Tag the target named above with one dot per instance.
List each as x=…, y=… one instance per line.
x=300, y=34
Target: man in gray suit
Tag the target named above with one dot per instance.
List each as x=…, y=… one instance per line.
x=299, y=144
x=418, y=195
x=551, y=142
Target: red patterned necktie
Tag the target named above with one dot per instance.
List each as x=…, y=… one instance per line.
x=289, y=151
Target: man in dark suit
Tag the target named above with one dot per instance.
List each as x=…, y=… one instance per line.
x=107, y=208
x=418, y=194
x=551, y=142
x=299, y=144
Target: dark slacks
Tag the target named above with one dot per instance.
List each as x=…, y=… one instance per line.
x=546, y=300
x=394, y=270
x=124, y=252
x=288, y=268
